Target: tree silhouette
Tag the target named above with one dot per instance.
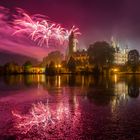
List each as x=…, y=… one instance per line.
x=27, y=65
x=71, y=64
x=133, y=60
x=101, y=54
x=51, y=70
x=11, y=68
x=56, y=56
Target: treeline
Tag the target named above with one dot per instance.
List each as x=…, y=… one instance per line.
x=14, y=68
x=97, y=59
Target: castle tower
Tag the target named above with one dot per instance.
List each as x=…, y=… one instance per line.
x=72, y=45
x=114, y=44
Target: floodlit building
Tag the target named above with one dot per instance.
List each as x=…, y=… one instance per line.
x=82, y=60
x=36, y=70
x=80, y=57
x=121, y=55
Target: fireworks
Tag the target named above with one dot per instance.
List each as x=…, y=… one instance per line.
x=42, y=30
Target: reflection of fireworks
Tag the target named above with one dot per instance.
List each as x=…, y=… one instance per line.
x=40, y=116
x=42, y=30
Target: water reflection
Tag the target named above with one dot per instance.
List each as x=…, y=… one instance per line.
x=44, y=119
x=111, y=85
x=99, y=90
x=133, y=87
x=77, y=105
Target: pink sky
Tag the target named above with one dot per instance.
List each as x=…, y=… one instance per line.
x=20, y=44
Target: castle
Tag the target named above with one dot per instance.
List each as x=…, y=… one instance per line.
x=120, y=56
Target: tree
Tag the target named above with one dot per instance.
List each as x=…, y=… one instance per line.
x=133, y=60
x=71, y=64
x=11, y=68
x=27, y=65
x=56, y=56
x=50, y=69
x=101, y=54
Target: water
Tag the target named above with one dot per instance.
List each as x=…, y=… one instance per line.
x=70, y=107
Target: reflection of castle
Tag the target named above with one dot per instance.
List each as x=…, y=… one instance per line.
x=121, y=55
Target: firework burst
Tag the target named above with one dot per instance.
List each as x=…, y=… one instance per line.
x=42, y=30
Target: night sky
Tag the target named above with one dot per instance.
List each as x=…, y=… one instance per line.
x=97, y=19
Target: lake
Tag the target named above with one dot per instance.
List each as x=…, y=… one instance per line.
x=69, y=107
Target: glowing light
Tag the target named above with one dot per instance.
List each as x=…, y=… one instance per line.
x=115, y=78
x=115, y=70
x=41, y=30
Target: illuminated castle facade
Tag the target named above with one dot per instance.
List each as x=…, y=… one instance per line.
x=81, y=57
x=121, y=55
x=74, y=52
